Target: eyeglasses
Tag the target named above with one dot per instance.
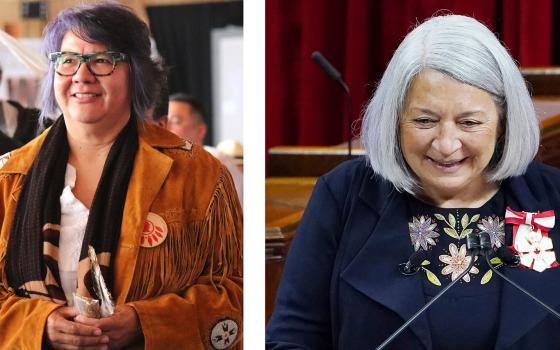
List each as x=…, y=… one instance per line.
x=99, y=63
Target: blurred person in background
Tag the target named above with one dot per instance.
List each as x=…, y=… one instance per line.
x=18, y=125
x=186, y=118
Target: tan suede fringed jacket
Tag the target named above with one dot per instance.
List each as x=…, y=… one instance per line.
x=187, y=290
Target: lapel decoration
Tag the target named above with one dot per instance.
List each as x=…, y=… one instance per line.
x=154, y=232
x=187, y=146
x=530, y=238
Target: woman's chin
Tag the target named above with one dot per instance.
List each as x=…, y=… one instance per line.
x=450, y=186
x=85, y=119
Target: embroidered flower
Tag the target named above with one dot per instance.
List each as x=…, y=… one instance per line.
x=495, y=229
x=457, y=262
x=422, y=232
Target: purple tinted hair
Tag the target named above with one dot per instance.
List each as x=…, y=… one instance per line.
x=119, y=29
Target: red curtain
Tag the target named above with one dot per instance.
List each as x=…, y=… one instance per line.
x=304, y=107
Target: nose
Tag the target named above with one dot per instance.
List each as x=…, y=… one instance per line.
x=83, y=75
x=448, y=140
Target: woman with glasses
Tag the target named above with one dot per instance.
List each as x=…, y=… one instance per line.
x=104, y=191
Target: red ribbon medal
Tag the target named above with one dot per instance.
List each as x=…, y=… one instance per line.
x=530, y=238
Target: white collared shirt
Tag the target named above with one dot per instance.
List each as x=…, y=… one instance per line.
x=73, y=221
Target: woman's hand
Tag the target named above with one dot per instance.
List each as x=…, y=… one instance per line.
x=122, y=328
x=61, y=332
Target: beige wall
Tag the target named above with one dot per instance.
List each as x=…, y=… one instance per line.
x=11, y=21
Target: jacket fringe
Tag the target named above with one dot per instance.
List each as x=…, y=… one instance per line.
x=210, y=247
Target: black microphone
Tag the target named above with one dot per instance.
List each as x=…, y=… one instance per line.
x=412, y=266
x=473, y=244
x=336, y=76
x=473, y=248
x=485, y=242
x=508, y=257
x=511, y=256
x=326, y=66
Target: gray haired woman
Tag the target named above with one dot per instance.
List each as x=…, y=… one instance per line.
x=450, y=135
x=160, y=213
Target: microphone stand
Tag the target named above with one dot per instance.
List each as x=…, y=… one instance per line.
x=336, y=76
x=548, y=308
x=348, y=107
x=425, y=307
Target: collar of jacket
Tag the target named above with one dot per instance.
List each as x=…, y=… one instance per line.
x=373, y=270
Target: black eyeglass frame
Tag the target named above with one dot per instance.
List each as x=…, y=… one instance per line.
x=117, y=57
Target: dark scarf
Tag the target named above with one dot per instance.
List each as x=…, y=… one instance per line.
x=32, y=255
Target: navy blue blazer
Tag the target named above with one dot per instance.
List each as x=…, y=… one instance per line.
x=341, y=288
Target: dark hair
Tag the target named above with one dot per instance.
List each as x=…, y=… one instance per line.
x=196, y=106
x=118, y=28
x=162, y=105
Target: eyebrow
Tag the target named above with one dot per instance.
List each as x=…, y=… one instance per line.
x=462, y=115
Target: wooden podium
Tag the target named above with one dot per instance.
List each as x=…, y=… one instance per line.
x=542, y=81
x=286, y=198
x=307, y=160
x=549, y=151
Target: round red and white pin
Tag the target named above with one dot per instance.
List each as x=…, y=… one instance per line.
x=154, y=232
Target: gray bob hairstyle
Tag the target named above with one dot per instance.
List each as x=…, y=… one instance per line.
x=464, y=49
x=119, y=29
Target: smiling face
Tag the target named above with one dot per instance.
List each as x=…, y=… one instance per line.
x=86, y=99
x=448, y=132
